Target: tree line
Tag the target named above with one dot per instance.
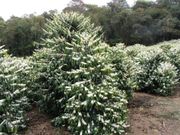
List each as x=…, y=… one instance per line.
x=145, y=23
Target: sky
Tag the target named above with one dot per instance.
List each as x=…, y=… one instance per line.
x=21, y=7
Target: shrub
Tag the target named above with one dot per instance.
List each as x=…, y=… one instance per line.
x=165, y=78
x=39, y=62
x=149, y=79
x=93, y=108
x=13, y=99
x=173, y=53
x=134, y=50
x=125, y=68
x=77, y=84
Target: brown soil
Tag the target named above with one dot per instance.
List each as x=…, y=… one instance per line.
x=40, y=124
x=153, y=115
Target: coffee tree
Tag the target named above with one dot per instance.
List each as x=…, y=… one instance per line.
x=172, y=51
x=125, y=67
x=78, y=85
x=13, y=100
x=157, y=72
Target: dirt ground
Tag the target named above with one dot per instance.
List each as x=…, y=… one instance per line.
x=40, y=124
x=153, y=115
x=148, y=115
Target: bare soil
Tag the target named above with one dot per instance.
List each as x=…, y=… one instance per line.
x=40, y=124
x=153, y=115
x=148, y=115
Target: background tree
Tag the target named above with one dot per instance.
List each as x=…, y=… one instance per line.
x=2, y=27
x=76, y=5
x=20, y=33
x=145, y=23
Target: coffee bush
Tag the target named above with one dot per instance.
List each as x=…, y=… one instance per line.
x=125, y=67
x=78, y=86
x=165, y=78
x=13, y=100
x=149, y=78
x=172, y=51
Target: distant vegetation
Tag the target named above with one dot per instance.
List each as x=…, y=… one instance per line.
x=145, y=23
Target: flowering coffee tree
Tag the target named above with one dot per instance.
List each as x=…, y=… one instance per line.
x=78, y=85
x=125, y=67
x=172, y=51
x=13, y=99
x=165, y=78
x=150, y=78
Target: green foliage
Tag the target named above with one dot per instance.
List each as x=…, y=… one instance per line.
x=148, y=61
x=75, y=5
x=165, y=78
x=172, y=50
x=145, y=23
x=152, y=69
x=39, y=62
x=94, y=109
x=68, y=27
x=19, y=34
x=125, y=67
x=13, y=101
x=77, y=84
x=3, y=53
x=156, y=66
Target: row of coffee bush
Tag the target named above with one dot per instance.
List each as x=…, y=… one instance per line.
x=158, y=66
x=81, y=82
x=13, y=91
x=153, y=69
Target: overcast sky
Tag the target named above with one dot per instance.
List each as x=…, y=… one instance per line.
x=21, y=7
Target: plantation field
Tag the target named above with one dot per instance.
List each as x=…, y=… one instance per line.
x=77, y=84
